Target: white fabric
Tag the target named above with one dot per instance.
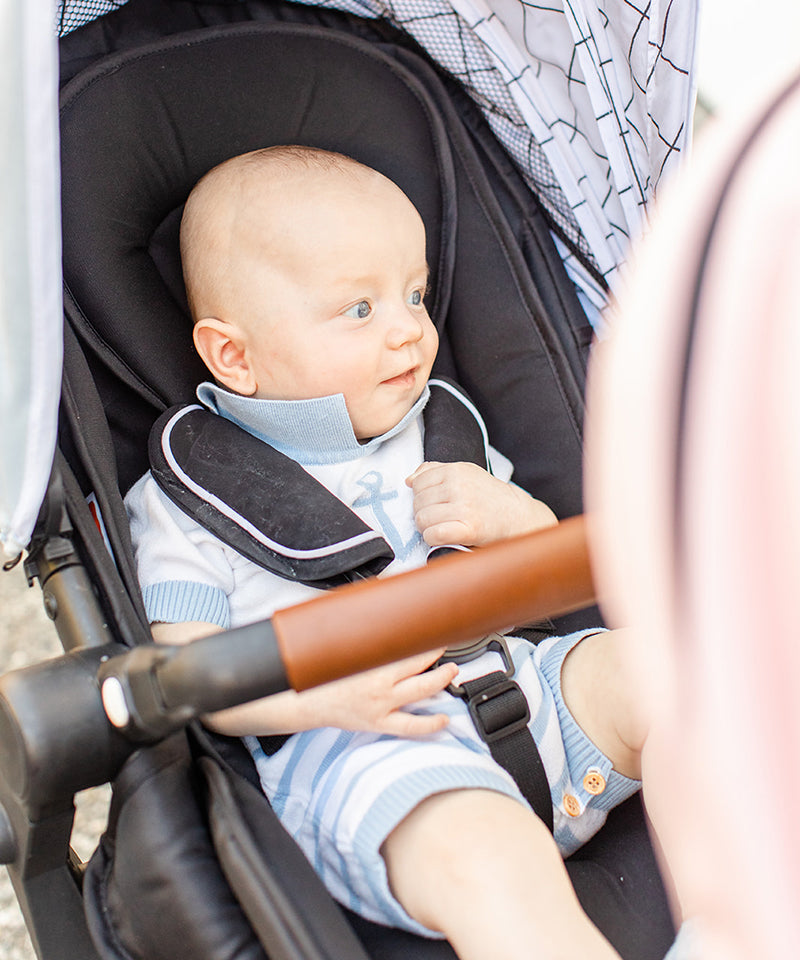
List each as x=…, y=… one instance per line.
x=30, y=265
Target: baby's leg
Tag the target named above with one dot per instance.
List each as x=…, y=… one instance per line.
x=484, y=870
x=597, y=689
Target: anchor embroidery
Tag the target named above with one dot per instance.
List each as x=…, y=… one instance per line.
x=374, y=498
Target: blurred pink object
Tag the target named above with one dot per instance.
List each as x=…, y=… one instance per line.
x=693, y=487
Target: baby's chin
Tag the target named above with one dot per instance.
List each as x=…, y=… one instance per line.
x=370, y=432
x=375, y=425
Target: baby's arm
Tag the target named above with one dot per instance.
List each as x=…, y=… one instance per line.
x=462, y=503
x=372, y=700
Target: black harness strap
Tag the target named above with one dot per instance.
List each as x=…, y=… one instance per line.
x=454, y=432
x=500, y=713
x=261, y=502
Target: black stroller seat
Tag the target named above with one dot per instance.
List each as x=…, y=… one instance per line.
x=194, y=863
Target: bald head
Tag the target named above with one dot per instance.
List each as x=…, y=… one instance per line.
x=306, y=274
x=247, y=204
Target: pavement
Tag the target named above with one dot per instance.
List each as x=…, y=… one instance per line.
x=27, y=636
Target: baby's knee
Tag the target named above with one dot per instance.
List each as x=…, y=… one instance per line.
x=600, y=690
x=448, y=833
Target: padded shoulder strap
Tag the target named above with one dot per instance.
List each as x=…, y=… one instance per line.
x=269, y=509
x=454, y=430
x=261, y=502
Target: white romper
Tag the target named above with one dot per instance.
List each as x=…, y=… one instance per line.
x=340, y=793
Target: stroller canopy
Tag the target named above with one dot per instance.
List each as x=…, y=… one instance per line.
x=30, y=270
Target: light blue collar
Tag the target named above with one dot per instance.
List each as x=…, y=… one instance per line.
x=308, y=431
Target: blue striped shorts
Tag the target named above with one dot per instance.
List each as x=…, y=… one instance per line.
x=340, y=793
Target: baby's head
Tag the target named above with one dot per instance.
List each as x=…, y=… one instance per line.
x=305, y=273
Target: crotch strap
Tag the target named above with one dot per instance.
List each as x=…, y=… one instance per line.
x=500, y=713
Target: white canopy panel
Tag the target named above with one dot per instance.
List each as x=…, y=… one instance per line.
x=30, y=264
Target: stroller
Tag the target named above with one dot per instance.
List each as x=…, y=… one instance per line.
x=194, y=864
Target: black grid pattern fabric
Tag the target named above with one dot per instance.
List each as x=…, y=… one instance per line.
x=591, y=98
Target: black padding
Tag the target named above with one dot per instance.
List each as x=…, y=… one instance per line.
x=452, y=434
x=276, y=893
x=157, y=860
x=617, y=880
x=260, y=502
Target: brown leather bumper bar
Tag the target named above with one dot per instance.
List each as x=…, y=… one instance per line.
x=454, y=600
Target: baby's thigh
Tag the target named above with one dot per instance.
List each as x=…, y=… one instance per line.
x=459, y=846
x=599, y=689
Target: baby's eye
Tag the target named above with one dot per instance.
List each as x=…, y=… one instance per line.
x=416, y=298
x=359, y=311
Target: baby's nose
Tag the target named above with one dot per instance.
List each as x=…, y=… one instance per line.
x=405, y=328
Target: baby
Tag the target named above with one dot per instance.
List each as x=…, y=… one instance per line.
x=306, y=275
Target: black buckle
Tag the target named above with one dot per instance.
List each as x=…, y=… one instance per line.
x=483, y=703
x=483, y=693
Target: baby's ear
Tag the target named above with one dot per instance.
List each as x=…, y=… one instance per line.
x=223, y=348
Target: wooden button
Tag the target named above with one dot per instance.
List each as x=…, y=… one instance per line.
x=594, y=782
x=572, y=805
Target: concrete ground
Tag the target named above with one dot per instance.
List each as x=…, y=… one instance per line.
x=27, y=636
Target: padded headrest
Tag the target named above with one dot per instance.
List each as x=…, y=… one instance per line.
x=139, y=130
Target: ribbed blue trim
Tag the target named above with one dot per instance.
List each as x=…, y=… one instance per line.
x=182, y=601
x=394, y=805
x=408, y=792
x=309, y=431
x=582, y=753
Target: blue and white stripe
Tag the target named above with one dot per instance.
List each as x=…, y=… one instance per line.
x=340, y=794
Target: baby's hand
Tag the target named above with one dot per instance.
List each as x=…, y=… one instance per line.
x=462, y=503
x=373, y=700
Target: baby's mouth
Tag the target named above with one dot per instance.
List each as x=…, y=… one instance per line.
x=402, y=379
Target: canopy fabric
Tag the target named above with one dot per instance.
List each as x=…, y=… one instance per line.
x=592, y=98
x=30, y=265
